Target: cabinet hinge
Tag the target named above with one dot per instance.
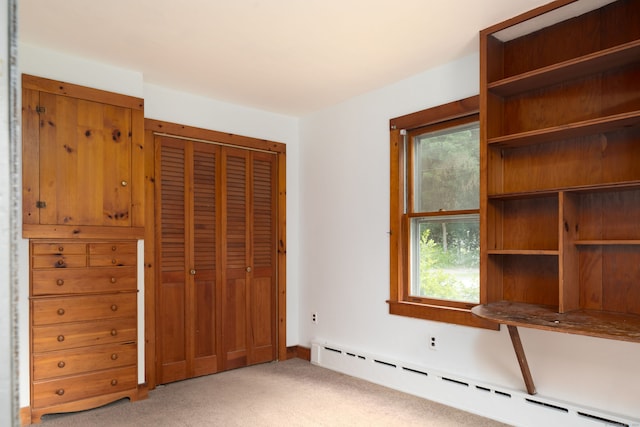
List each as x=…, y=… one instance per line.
x=40, y=109
x=41, y=205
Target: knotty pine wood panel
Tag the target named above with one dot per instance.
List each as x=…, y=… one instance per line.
x=30, y=156
x=85, y=166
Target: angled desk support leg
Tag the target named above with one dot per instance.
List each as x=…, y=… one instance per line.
x=522, y=360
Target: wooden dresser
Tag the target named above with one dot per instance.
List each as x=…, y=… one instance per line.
x=83, y=324
x=83, y=213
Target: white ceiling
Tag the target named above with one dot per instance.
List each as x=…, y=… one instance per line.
x=285, y=56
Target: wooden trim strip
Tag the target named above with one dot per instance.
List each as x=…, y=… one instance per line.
x=212, y=136
x=453, y=110
x=68, y=89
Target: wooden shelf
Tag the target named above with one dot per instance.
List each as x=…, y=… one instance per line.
x=606, y=242
x=618, y=186
x=601, y=324
x=618, y=56
x=523, y=252
x=568, y=131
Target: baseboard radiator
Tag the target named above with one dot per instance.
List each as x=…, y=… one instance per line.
x=509, y=406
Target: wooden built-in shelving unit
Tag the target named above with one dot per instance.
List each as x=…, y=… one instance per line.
x=560, y=184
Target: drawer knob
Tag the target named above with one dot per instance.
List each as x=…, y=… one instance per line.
x=114, y=261
x=60, y=338
x=114, y=382
x=61, y=364
x=60, y=311
x=59, y=282
x=60, y=248
x=114, y=307
x=114, y=332
x=60, y=262
x=60, y=391
x=124, y=183
x=114, y=356
x=113, y=248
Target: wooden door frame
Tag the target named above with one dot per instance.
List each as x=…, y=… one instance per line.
x=154, y=127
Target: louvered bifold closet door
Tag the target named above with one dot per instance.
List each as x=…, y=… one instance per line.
x=248, y=291
x=262, y=307
x=187, y=332
x=205, y=263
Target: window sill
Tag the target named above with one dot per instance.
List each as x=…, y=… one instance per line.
x=457, y=316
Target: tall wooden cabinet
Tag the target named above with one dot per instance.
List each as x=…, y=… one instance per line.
x=560, y=135
x=217, y=257
x=83, y=211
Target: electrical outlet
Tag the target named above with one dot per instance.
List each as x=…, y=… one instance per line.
x=433, y=343
x=314, y=317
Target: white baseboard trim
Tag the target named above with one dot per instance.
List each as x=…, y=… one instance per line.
x=502, y=404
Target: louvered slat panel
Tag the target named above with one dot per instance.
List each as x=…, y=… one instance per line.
x=204, y=209
x=172, y=211
x=236, y=212
x=263, y=209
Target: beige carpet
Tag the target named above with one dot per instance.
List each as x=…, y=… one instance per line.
x=291, y=393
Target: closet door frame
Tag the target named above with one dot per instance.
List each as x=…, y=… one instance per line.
x=156, y=127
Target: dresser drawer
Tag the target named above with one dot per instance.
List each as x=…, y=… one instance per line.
x=74, y=281
x=71, y=362
x=67, y=389
x=58, y=248
x=112, y=254
x=74, y=335
x=59, y=261
x=57, y=310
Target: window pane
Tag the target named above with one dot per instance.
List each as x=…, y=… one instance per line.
x=447, y=169
x=446, y=258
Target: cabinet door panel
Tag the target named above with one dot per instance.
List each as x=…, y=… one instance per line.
x=85, y=162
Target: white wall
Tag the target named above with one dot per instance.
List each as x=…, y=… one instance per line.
x=344, y=214
x=188, y=109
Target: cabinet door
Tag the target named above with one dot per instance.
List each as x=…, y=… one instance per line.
x=84, y=162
